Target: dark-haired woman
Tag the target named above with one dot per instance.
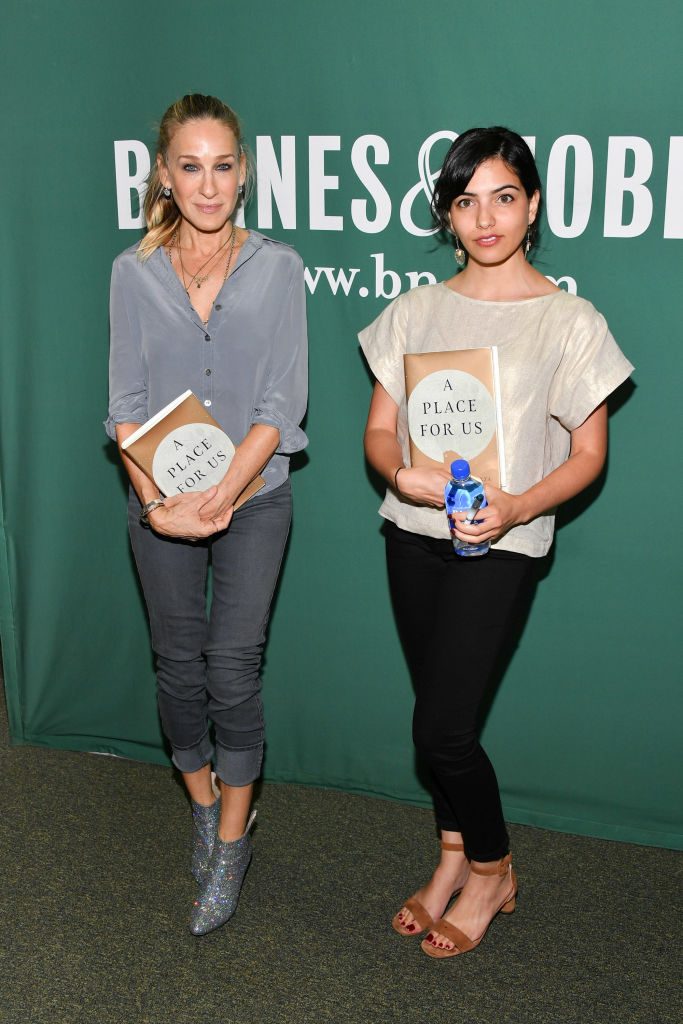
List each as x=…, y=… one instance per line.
x=204, y=304
x=558, y=363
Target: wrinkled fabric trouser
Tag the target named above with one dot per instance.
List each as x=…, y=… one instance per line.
x=208, y=659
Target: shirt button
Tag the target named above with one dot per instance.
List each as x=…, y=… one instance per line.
x=218, y=307
x=207, y=402
x=207, y=372
x=207, y=337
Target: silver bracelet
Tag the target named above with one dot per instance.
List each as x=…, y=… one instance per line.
x=149, y=507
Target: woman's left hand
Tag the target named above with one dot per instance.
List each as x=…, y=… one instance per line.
x=502, y=512
x=217, y=506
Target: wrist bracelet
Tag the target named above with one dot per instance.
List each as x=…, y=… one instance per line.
x=396, y=478
x=149, y=507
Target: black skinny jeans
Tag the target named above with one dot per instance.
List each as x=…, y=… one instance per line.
x=454, y=616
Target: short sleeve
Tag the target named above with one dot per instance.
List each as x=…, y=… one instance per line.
x=127, y=385
x=384, y=344
x=592, y=366
x=283, y=402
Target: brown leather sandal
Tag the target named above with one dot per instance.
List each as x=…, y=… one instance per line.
x=463, y=943
x=422, y=918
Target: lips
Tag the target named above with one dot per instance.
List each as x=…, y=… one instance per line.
x=209, y=208
x=487, y=240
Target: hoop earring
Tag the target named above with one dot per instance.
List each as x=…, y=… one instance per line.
x=167, y=192
x=460, y=255
x=527, y=245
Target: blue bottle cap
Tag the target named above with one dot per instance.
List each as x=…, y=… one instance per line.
x=460, y=469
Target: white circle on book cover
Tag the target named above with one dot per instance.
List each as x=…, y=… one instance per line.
x=192, y=457
x=451, y=411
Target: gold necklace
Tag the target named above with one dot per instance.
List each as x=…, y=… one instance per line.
x=196, y=279
x=227, y=268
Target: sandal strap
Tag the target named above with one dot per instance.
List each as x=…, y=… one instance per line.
x=452, y=846
x=419, y=913
x=458, y=938
x=496, y=867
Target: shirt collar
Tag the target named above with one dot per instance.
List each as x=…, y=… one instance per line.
x=160, y=265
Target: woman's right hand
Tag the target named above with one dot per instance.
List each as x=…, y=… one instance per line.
x=179, y=517
x=423, y=486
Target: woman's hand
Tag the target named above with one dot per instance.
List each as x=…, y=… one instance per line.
x=587, y=457
x=216, y=504
x=179, y=517
x=502, y=512
x=250, y=458
x=423, y=486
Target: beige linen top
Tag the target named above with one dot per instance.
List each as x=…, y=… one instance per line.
x=558, y=362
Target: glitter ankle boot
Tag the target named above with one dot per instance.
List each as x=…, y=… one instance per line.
x=228, y=865
x=205, y=822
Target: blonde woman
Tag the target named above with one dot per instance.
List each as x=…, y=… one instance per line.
x=204, y=304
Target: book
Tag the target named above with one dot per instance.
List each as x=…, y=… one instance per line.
x=183, y=449
x=454, y=411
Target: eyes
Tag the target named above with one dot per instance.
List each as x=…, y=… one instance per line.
x=504, y=199
x=192, y=168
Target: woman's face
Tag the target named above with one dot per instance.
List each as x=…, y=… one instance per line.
x=204, y=169
x=492, y=215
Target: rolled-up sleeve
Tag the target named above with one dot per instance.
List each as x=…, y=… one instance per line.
x=592, y=367
x=384, y=344
x=283, y=402
x=127, y=384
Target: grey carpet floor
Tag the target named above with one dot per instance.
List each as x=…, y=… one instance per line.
x=96, y=892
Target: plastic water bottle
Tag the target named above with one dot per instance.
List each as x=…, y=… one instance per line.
x=462, y=493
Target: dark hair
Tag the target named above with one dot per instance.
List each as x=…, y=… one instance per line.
x=473, y=148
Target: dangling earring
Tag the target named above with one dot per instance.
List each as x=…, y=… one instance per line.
x=527, y=245
x=460, y=255
x=240, y=190
x=167, y=192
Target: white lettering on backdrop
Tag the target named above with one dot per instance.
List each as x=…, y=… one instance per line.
x=129, y=182
x=673, y=216
x=276, y=181
x=375, y=188
x=628, y=202
x=555, y=194
x=319, y=183
x=620, y=184
x=425, y=184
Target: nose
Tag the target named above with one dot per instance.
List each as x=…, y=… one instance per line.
x=209, y=188
x=485, y=217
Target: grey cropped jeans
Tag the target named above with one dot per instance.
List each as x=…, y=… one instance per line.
x=208, y=658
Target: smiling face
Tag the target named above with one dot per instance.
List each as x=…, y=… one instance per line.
x=204, y=169
x=492, y=215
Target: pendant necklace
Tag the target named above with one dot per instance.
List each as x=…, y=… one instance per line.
x=196, y=279
x=233, y=236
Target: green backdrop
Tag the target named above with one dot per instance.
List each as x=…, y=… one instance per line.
x=347, y=106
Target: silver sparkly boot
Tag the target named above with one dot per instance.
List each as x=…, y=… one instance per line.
x=228, y=865
x=205, y=822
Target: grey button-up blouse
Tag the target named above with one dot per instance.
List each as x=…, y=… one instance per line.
x=247, y=365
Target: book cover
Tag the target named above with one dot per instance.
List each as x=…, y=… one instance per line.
x=454, y=411
x=183, y=449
